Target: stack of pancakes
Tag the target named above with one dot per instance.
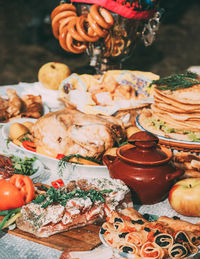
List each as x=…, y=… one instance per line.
x=174, y=113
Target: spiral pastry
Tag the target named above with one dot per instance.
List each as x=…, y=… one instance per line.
x=75, y=32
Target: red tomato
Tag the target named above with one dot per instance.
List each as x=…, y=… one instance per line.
x=29, y=145
x=60, y=156
x=58, y=183
x=10, y=196
x=25, y=186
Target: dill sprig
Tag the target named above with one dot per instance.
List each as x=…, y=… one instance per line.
x=66, y=159
x=177, y=81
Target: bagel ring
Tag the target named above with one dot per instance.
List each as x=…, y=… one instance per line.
x=73, y=47
x=80, y=28
x=57, y=19
x=61, y=8
x=101, y=16
x=100, y=32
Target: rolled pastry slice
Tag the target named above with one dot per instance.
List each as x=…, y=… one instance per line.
x=177, y=224
x=164, y=240
x=182, y=238
x=194, y=237
x=134, y=216
x=136, y=238
x=151, y=250
x=127, y=248
x=120, y=223
x=129, y=220
x=111, y=237
x=177, y=251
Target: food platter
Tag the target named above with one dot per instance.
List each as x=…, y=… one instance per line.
x=127, y=238
x=69, y=170
x=126, y=255
x=184, y=145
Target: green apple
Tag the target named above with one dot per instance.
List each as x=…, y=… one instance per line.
x=51, y=74
x=184, y=197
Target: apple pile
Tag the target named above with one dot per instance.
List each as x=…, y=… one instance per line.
x=184, y=197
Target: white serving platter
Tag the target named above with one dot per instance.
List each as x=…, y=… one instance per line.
x=69, y=171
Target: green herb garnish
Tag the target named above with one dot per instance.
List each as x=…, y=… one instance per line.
x=25, y=138
x=24, y=165
x=176, y=81
x=61, y=196
x=63, y=162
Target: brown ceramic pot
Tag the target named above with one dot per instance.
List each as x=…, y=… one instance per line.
x=145, y=167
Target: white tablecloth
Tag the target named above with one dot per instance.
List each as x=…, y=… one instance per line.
x=13, y=247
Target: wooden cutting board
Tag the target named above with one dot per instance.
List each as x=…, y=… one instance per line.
x=80, y=239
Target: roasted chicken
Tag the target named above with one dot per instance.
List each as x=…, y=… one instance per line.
x=69, y=131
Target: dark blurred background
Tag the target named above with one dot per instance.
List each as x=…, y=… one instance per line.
x=26, y=41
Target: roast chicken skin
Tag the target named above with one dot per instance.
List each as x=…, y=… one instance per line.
x=69, y=131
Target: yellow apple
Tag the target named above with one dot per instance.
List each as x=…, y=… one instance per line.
x=184, y=197
x=51, y=74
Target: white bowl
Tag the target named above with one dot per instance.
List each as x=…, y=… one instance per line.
x=70, y=171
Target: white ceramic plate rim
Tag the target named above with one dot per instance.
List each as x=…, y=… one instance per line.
x=165, y=138
x=5, y=133
x=126, y=255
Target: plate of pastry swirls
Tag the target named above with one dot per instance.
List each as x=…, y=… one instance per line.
x=132, y=235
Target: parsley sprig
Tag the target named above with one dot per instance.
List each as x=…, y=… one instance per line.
x=24, y=165
x=61, y=196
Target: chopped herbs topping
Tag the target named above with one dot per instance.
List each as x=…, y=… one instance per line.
x=176, y=81
x=61, y=196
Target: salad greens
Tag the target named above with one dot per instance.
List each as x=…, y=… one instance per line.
x=24, y=165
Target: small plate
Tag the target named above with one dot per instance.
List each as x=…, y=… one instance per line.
x=174, y=143
x=36, y=165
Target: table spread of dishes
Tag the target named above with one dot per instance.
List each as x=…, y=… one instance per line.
x=100, y=166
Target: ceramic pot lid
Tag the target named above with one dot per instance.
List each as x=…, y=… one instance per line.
x=144, y=150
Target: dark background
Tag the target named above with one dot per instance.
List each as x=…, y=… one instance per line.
x=26, y=41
